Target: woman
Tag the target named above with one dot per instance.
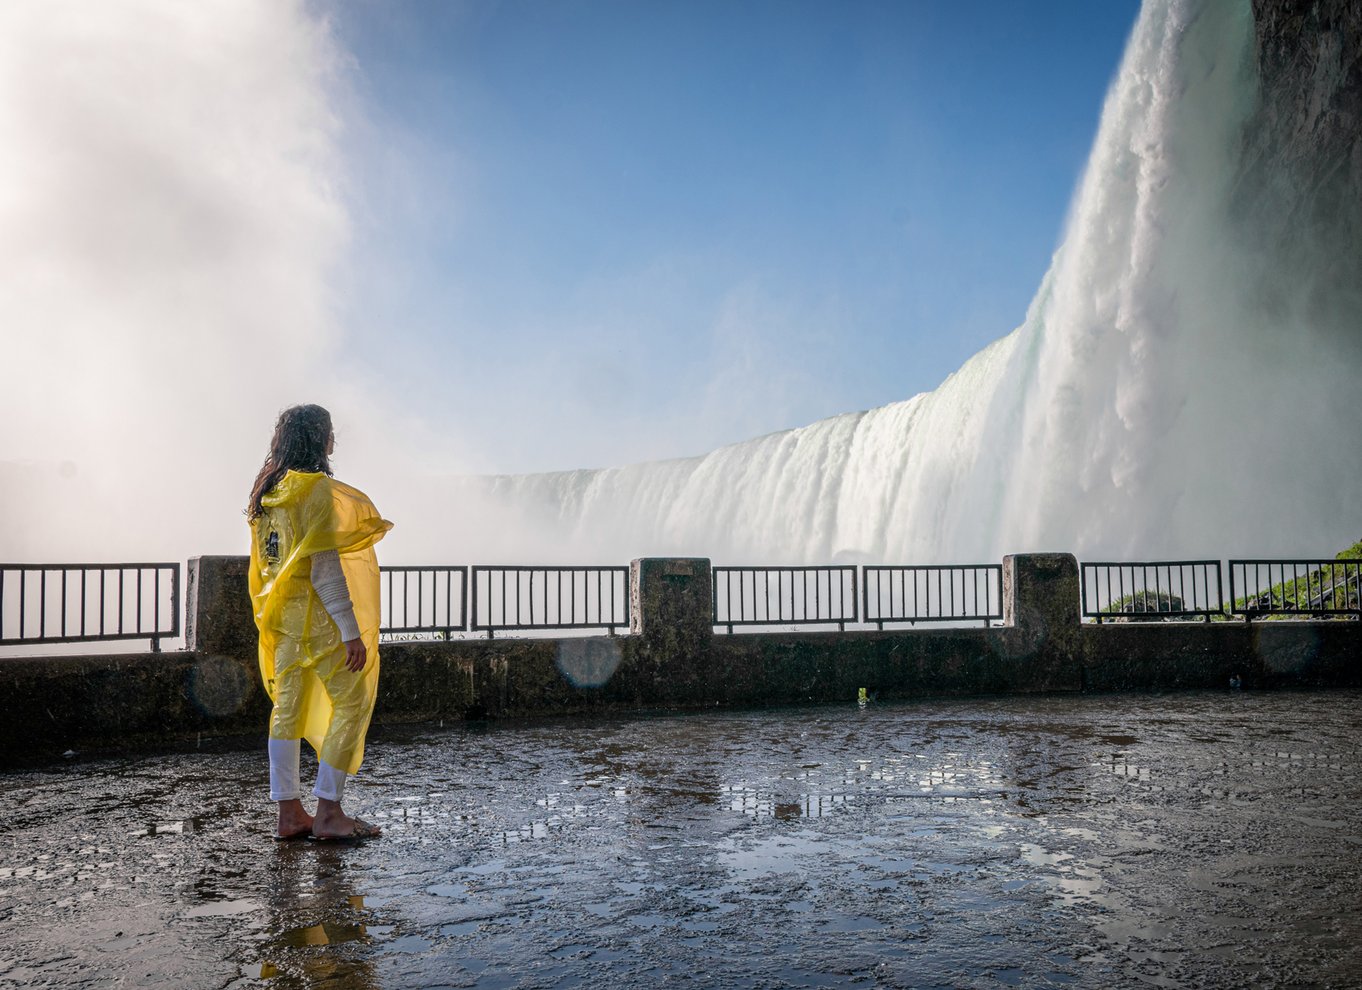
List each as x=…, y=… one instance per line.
x=314, y=589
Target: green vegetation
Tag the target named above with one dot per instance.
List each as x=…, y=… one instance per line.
x=1321, y=593
x=1145, y=603
x=1331, y=588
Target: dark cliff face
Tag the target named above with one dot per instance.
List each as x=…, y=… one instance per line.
x=1300, y=189
x=1310, y=71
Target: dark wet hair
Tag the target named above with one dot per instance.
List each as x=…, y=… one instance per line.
x=300, y=440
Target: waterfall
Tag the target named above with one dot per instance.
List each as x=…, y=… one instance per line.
x=1176, y=389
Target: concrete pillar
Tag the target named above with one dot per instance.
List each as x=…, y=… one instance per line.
x=1041, y=606
x=224, y=680
x=217, y=614
x=672, y=614
x=672, y=596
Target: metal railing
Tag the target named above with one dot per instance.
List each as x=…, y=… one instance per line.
x=933, y=593
x=75, y=603
x=1156, y=589
x=1295, y=587
x=787, y=596
x=524, y=597
x=423, y=600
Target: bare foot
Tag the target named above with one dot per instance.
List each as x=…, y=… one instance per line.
x=331, y=822
x=294, y=821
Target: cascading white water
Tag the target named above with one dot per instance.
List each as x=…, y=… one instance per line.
x=1180, y=385
x=1149, y=405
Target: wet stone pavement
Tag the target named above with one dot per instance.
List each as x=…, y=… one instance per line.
x=1178, y=841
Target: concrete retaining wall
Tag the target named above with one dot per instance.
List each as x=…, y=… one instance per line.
x=671, y=660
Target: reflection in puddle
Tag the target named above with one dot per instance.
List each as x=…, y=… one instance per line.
x=757, y=804
x=326, y=933
x=1073, y=881
x=747, y=800
x=1123, y=769
x=820, y=805
x=528, y=832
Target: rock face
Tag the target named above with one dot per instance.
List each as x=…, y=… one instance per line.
x=1310, y=70
x=1301, y=184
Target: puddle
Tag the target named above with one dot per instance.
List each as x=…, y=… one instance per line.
x=185, y=827
x=780, y=854
x=448, y=890
x=222, y=909
x=530, y=832
x=944, y=844
x=462, y=928
x=848, y=923
x=326, y=933
x=407, y=944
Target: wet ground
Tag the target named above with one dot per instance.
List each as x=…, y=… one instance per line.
x=1183, y=840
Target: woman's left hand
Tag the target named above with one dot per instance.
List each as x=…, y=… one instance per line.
x=356, y=656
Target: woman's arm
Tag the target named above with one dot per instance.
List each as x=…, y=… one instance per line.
x=328, y=580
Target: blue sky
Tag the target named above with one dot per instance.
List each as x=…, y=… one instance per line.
x=592, y=233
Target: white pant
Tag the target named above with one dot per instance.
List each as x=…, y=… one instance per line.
x=285, y=783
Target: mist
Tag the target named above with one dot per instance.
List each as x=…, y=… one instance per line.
x=173, y=220
x=173, y=236
x=187, y=193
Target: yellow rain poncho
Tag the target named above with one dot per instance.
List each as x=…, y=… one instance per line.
x=302, y=658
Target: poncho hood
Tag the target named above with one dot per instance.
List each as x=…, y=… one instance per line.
x=292, y=486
